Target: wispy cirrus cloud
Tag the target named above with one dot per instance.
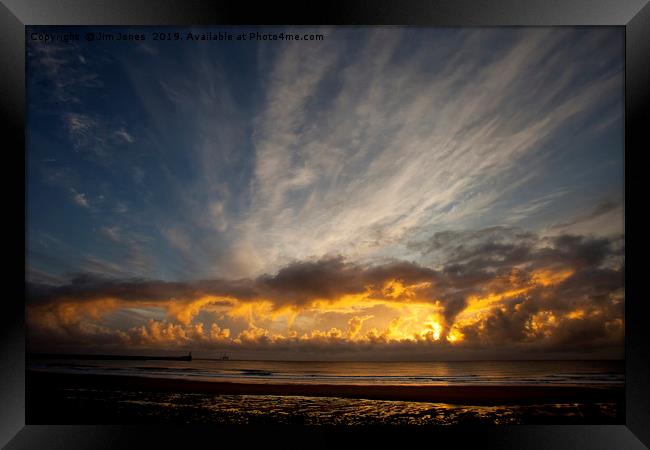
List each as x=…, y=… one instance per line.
x=123, y=135
x=80, y=198
x=341, y=140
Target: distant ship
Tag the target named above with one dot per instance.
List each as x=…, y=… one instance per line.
x=225, y=357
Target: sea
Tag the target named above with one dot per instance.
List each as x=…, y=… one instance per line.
x=590, y=373
x=130, y=406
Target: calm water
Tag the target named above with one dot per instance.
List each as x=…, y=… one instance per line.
x=410, y=373
x=103, y=406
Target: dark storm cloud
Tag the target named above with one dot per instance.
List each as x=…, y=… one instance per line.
x=331, y=278
x=515, y=322
x=474, y=258
x=296, y=284
x=87, y=287
x=603, y=208
x=480, y=262
x=468, y=253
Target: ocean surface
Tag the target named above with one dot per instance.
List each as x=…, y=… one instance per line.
x=583, y=373
x=99, y=405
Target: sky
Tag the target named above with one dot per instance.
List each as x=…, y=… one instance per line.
x=382, y=193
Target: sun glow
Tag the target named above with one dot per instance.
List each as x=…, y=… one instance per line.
x=549, y=277
x=454, y=336
x=392, y=312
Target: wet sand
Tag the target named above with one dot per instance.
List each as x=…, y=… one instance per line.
x=451, y=394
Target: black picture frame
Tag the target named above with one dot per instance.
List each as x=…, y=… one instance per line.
x=633, y=15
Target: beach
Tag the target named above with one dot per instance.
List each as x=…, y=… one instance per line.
x=91, y=398
x=465, y=394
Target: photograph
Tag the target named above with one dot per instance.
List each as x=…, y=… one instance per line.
x=343, y=226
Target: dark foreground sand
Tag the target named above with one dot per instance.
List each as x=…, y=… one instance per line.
x=458, y=395
x=53, y=398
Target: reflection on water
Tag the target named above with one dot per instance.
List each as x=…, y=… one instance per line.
x=436, y=373
x=141, y=407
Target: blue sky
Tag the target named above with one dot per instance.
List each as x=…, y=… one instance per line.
x=177, y=161
x=172, y=160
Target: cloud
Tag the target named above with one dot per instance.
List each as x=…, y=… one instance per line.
x=599, y=217
x=82, y=129
x=94, y=134
x=404, y=189
x=354, y=145
x=57, y=67
x=179, y=239
x=80, y=198
x=124, y=136
x=218, y=216
x=561, y=294
x=355, y=152
x=112, y=233
x=355, y=324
